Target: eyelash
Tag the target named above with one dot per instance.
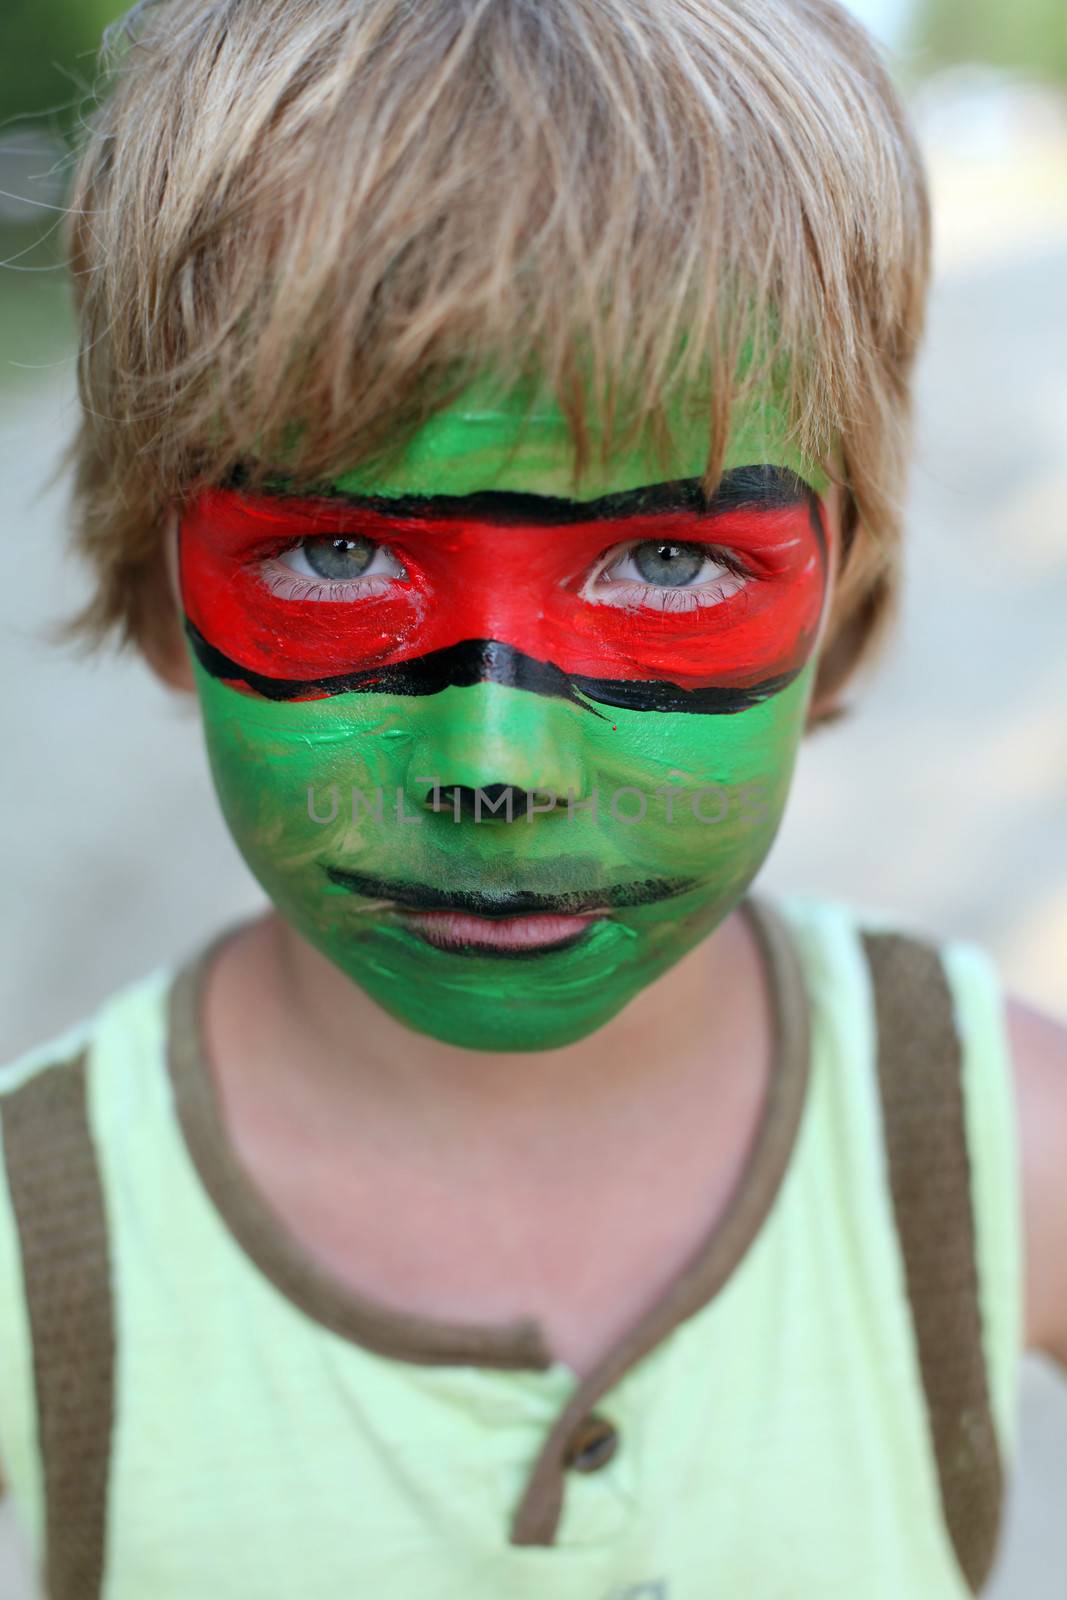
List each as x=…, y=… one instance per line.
x=686, y=598
x=282, y=581
x=290, y=586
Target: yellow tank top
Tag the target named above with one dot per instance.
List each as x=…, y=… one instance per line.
x=822, y=1405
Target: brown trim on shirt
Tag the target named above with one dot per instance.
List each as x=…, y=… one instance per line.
x=924, y=1118
x=409, y=1336
x=58, y=1202
x=262, y=1234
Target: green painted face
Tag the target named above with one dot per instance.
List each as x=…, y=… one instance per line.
x=502, y=749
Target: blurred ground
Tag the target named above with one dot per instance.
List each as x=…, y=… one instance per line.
x=942, y=798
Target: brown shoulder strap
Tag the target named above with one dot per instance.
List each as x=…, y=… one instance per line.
x=920, y=1080
x=59, y=1211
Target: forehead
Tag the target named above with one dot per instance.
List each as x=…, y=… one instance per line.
x=489, y=441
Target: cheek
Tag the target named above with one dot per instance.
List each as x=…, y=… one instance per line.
x=285, y=774
x=716, y=786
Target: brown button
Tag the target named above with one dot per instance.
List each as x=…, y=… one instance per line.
x=592, y=1444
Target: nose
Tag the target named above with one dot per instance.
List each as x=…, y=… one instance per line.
x=481, y=740
x=500, y=800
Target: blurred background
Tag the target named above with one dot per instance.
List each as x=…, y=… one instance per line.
x=942, y=798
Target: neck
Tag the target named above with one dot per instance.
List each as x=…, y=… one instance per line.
x=328, y=1061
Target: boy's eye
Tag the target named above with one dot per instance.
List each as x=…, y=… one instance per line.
x=331, y=567
x=666, y=575
x=336, y=559
x=669, y=565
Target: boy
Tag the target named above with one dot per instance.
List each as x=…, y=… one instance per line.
x=495, y=414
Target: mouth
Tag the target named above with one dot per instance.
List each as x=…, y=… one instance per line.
x=460, y=933
x=509, y=924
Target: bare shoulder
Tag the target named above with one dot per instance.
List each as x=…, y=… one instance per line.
x=1039, y=1064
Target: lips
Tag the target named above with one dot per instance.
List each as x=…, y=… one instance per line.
x=463, y=934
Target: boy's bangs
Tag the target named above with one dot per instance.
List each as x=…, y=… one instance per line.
x=378, y=201
x=319, y=220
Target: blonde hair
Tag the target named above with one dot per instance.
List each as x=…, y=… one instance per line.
x=339, y=211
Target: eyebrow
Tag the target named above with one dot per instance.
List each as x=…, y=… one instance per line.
x=762, y=488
